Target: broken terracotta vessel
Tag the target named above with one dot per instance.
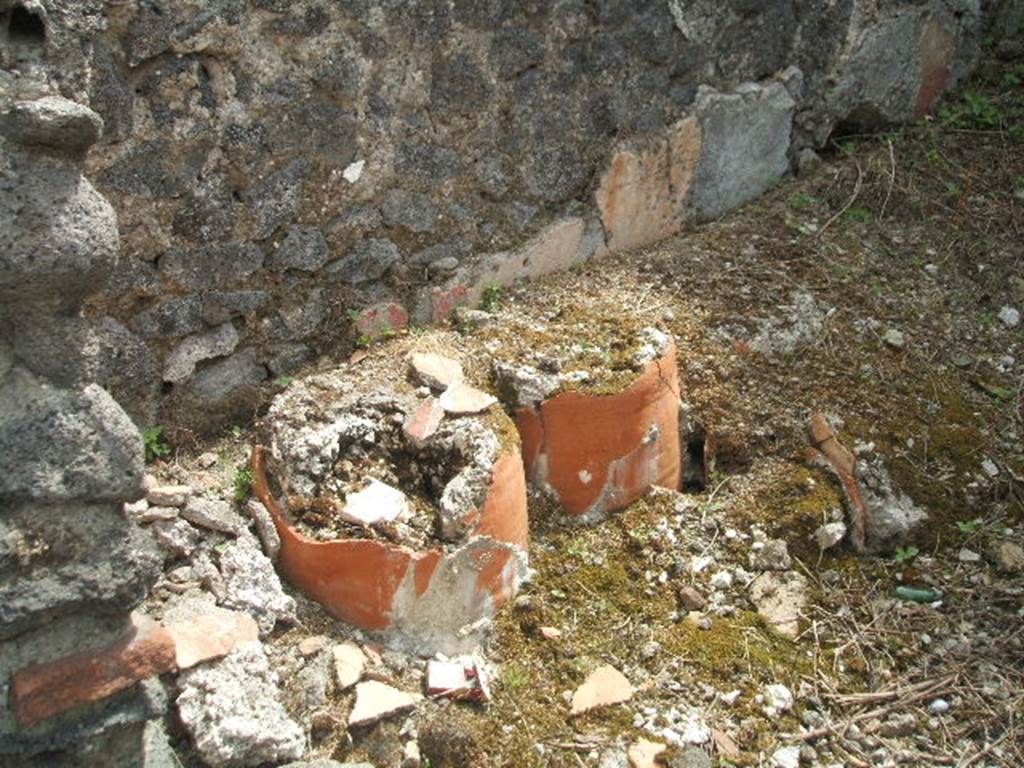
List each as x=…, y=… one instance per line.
x=432, y=595
x=600, y=453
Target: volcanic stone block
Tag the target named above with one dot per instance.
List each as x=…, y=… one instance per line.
x=58, y=445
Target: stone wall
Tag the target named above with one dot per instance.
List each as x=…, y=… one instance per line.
x=72, y=567
x=291, y=176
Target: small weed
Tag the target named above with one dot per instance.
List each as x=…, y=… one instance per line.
x=353, y=314
x=241, y=481
x=363, y=341
x=953, y=190
x=905, y=554
x=968, y=526
x=155, y=444
x=802, y=200
x=236, y=432
x=491, y=298
x=515, y=677
x=283, y=381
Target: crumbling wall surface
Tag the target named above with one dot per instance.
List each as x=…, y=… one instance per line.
x=71, y=565
x=289, y=176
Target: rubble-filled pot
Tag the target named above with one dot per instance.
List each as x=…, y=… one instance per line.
x=438, y=594
x=598, y=453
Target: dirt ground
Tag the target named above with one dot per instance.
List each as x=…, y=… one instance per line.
x=910, y=244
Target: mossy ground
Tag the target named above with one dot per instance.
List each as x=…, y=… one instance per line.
x=917, y=230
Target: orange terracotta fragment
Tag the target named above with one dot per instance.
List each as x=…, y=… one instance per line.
x=378, y=585
x=44, y=690
x=603, y=687
x=832, y=454
x=600, y=453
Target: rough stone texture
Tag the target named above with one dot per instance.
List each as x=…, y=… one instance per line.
x=264, y=152
x=53, y=122
x=232, y=711
x=746, y=137
x=252, y=585
x=58, y=445
x=58, y=238
x=72, y=564
x=216, y=343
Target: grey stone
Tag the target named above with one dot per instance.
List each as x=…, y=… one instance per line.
x=411, y=210
x=276, y=200
x=107, y=732
x=52, y=122
x=232, y=710
x=515, y=49
x=304, y=319
x=746, y=136
x=428, y=163
x=214, y=514
x=458, y=86
x=176, y=538
x=368, y=261
x=360, y=218
x=173, y=317
x=181, y=363
x=690, y=757
x=221, y=306
x=288, y=358
x=454, y=249
x=252, y=585
x=58, y=445
x=239, y=370
x=773, y=556
x=892, y=516
x=304, y=248
x=523, y=386
x=554, y=171
x=491, y=175
x=313, y=681
x=50, y=564
x=265, y=528
x=72, y=352
x=210, y=266
x=58, y=239
x=209, y=212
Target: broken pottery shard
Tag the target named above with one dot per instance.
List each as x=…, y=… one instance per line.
x=550, y=633
x=605, y=686
x=463, y=399
x=211, y=636
x=376, y=701
x=828, y=450
x=461, y=679
x=436, y=371
x=644, y=754
x=311, y=646
x=780, y=598
x=377, y=503
x=349, y=662
x=424, y=422
x=44, y=690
